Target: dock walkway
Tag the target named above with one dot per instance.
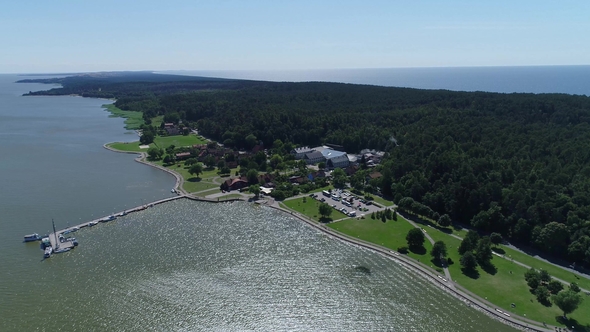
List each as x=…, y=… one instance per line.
x=54, y=239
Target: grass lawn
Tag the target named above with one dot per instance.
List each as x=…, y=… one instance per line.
x=503, y=288
x=192, y=183
x=133, y=120
x=178, y=141
x=210, y=192
x=157, y=121
x=127, y=146
x=382, y=201
x=390, y=234
x=552, y=269
x=310, y=208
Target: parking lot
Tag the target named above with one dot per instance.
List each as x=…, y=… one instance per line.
x=346, y=202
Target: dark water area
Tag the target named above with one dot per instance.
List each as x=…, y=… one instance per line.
x=534, y=79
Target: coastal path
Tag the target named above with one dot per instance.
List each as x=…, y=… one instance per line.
x=467, y=297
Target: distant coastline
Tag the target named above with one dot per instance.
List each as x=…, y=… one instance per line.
x=573, y=80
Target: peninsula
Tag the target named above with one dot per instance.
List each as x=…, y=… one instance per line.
x=478, y=172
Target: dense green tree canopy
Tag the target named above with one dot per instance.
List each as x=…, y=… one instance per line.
x=516, y=164
x=568, y=301
x=415, y=238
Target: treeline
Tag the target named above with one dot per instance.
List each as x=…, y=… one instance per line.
x=517, y=164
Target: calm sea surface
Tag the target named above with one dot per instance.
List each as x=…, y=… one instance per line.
x=534, y=79
x=181, y=266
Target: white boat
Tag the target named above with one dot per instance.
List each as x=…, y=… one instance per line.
x=71, y=230
x=92, y=223
x=32, y=237
x=48, y=252
x=62, y=250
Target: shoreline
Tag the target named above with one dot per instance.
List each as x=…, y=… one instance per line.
x=470, y=300
x=421, y=270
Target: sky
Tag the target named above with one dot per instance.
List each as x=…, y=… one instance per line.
x=75, y=36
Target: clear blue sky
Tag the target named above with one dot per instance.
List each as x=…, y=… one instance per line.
x=70, y=36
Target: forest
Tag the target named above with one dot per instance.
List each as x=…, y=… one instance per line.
x=517, y=164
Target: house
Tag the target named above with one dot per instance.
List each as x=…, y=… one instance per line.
x=234, y=184
x=314, y=157
x=338, y=161
x=299, y=153
x=172, y=131
x=298, y=179
x=350, y=170
x=183, y=155
x=265, y=178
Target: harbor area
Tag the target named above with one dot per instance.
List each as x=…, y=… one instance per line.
x=60, y=241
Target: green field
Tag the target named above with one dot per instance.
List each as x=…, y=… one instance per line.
x=503, y=288
x=552, y=269
x=178, y=141
x=159, y=141
x=382, y=201
x=133, y=120
x=127, y=146
x=390, y=234
x=310, y=208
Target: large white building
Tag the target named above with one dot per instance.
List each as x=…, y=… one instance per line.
x=300, y=153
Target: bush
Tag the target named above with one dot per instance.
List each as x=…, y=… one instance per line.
x=450, y=261
x=403, y=250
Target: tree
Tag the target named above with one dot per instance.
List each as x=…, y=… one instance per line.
x=221, y=164
x=496, y=238
x=196, y=169
x=250, y=141
x=252, y=176
x=439, y=250
x=542, y=294
x=554, y=286
x=209, y=161
x=533, y=278
x=469, y=242
x=275, y=160
x=553, y=237
x=544, y=275
x=415, y=238
x=146, y=138
x=155, y=153
x=574, y=287
x=468, y=261
x=322, y=165
x=325, y=210
x=483, y=251
x=168, y=159
x=444, y=220
x=170, y=149
x=568, y=301
x=339, y=178
x=254, y=189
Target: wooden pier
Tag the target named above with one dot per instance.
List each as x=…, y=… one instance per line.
x=54, y=238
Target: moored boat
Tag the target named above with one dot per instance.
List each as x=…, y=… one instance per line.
x=32, y=237
x=48, y=252
x=62, y=250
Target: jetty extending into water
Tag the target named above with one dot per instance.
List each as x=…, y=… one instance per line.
x=60, y=243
